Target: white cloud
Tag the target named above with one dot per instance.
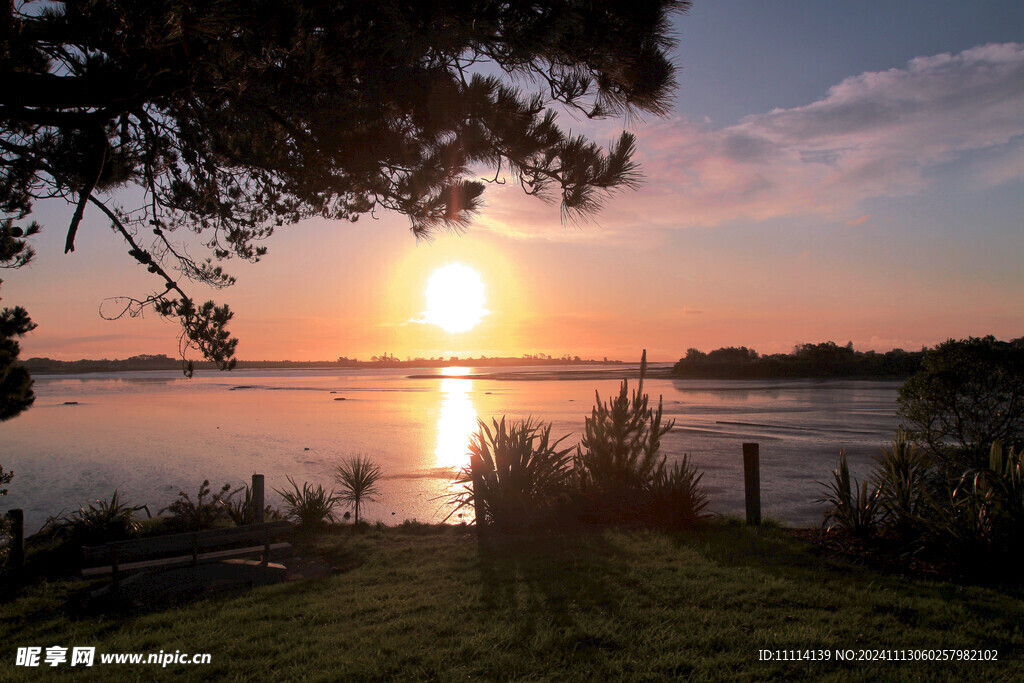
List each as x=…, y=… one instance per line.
x=875, y=134
x=872, y=135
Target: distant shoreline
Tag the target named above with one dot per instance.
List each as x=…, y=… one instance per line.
x=634, y=373
x=588, y=370
x=532, y=376
x=47, y=366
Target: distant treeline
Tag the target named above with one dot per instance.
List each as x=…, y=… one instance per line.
x=142, y=362
x=162, y=362
x=827, y=359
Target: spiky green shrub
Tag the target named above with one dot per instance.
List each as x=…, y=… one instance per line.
x=358, y=478
x=95, y=522
x=618, y=459
x=205, y=512
x=242, y=510
x=676, y=498
x=852, y=508
x=901, y=476
x=310, y=507
x=517, y=476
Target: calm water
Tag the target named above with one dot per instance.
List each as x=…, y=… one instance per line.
x=151, y=434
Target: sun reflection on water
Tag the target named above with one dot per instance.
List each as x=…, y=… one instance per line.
x=456, y=423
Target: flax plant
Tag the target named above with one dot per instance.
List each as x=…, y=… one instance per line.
x=517, y=475
x=310, y=506
x=242, y=510
x=96, y=522
x=984, y=517
x=901, y=477
x=677, y=498
x=853, y=509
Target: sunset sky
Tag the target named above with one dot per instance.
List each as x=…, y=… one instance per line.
x=830, y=171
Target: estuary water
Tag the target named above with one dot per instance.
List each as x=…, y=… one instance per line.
x=150, y=435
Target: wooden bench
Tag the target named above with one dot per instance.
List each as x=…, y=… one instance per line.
x=189, y=549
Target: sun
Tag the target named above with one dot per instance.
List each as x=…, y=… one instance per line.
x=455, y=298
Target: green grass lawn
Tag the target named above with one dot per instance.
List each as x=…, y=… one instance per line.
x=429, y=603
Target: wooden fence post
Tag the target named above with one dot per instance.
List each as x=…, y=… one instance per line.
x=17, y=549
x=257, y=497
x=752, y=482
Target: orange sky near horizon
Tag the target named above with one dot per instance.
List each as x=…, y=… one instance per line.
x=576, y=292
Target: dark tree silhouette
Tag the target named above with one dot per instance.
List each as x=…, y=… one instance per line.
x=732, y=354
x=827, y=359
x=967, y=394
x=233, y=118
x=15, y=383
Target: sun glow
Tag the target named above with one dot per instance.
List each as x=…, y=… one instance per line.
x=455, y=298
x=456, y=423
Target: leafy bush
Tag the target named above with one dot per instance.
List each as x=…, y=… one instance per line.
x=516, y=474
x=617, y=460
x=677, y=498
x=187, y=515
x=852, y=509
x=902, y=479
x=309, y=507
x=95, y=523
x=358, y=479
x=5, y=479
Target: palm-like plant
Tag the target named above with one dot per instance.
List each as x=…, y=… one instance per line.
x=358, y=478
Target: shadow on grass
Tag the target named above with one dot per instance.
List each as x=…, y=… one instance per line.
x=553, y=589
x=529, y=572
x=594, y=598
x=733, y=543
